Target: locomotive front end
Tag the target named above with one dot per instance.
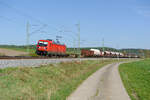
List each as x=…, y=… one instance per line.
x=41, y=48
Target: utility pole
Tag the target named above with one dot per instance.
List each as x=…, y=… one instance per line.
x=28, y=36
x=103, y=47
x=74, y=45
x=118, y=51
x=78, y=26
x=58, y=37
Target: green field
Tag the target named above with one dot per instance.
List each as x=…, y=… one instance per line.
x=48, y=82
x=136, y=78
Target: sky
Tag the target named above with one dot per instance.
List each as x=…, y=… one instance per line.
x=121, y=23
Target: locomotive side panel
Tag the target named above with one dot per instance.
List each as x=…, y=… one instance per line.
x=47, y=47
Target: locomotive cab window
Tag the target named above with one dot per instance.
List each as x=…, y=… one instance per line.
x=41, y=43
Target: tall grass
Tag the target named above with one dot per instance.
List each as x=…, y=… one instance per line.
x=48, y=82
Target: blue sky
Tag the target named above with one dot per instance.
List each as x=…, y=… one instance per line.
x=122, y=23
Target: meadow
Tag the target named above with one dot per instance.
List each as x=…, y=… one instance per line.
x=136, y=79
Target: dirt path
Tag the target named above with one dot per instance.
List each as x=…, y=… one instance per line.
x=105, y=84
x=8, y=52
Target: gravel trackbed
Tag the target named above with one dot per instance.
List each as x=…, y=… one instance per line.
x=38, y=62
x=105, y=84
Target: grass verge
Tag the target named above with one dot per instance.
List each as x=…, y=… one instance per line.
x=136, y=79
x=47, y=82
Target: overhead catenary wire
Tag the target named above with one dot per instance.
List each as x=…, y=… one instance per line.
x=20, y=12
x=24, y=14
x=30, y=17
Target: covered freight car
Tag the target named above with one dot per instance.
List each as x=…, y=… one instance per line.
x=87, y=53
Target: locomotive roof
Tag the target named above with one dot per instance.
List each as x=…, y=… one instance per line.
x=54, y=42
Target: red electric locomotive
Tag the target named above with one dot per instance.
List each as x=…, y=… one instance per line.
x=50, y=48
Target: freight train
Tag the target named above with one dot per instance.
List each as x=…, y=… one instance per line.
x=51, y=48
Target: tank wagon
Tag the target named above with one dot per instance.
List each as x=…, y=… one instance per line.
x=107, y=54
x=91, y=53
x=50, y=48
x=97, y=53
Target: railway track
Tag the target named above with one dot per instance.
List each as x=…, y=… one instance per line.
x=43, y=57
x=27, y=61
x=26, y=57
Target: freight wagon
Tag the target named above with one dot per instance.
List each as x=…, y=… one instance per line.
x=87, y=53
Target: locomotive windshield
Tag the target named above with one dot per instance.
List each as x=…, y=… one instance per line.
x=41, y=43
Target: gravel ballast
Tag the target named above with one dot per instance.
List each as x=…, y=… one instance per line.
x=38, y=62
